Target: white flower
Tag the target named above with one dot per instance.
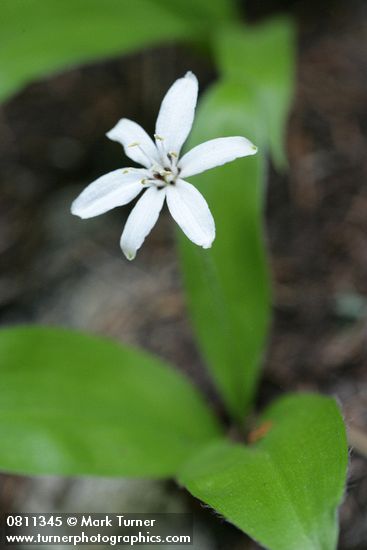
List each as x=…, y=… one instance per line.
x=163, y=174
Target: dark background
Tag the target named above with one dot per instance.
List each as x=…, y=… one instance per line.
x=56, y=269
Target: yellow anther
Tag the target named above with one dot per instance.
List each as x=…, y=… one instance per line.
x=160, y=138
x=134, y=144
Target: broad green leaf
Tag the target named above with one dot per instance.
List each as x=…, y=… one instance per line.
x=227, y=286
x=199, y=11
x=74, y=404
x=262, y=57
x=39, y=37
x=283, y=490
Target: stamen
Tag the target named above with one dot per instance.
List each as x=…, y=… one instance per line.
x=137, y=144
x=173, y=158
x=161, y=148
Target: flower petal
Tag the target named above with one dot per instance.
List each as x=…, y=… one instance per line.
x=214, y=153
x=177, y=112
x=137, y=144
x=141, y=221
x=190, y=210
x=113, y=189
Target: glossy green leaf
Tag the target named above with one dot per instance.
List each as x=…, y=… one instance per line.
x=227, y=286
x=39, y=37
x=262, y=57
x=74, y=404
x=285, y=489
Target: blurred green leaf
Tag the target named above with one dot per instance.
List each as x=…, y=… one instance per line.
x=227, y=286
x=202, y=11
x=284, y=490
x=74, y=404
x=263, y=58
x=39, y=37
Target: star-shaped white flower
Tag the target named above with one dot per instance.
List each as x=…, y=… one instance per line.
x=163, y=174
